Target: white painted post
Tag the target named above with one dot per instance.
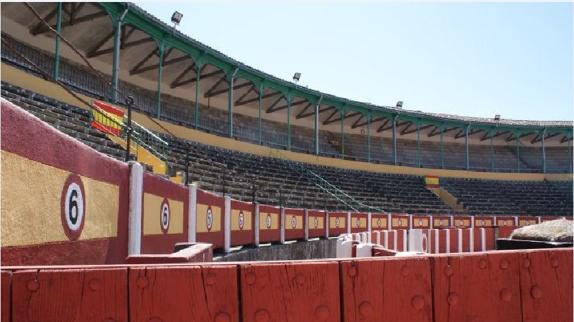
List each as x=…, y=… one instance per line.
x=471, y=239
x=327, y=223
x=135, y=208
x=447, y=240
x=396, y=237
x=256, y=224
x=282, y=225
x=389, y=224
x=483, y=239
x=459, y=250
x=349, y=223
x=369, y=223
x=306, y=224
x=436, y=241
x=227, y=224
x=192, y=213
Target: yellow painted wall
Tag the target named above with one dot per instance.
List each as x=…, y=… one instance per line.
x=202, y=218
x=152, y=215
x=28, y=81
x=31, y=211
x=235, y=220
x=263, y=221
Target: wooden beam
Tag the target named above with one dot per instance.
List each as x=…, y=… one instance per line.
x=251, y=100
x=155, y=66
x=270, y=109
x=182, y=74
x=126, y=45
x=221, y=80
x=302, y=112
x=321, y=110
x=76, y=22
x=38, y=27
x=99, y=45
x=202, y=76
x=222, y=91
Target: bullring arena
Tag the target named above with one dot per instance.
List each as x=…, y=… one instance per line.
x=149, y=177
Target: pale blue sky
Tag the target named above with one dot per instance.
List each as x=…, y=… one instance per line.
x=467, y=59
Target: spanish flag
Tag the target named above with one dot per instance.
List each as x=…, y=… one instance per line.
x=107, y=118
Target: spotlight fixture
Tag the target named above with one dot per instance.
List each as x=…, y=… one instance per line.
x=297, y=77
x=497, y=117
x=400, y=104
x=176, y=18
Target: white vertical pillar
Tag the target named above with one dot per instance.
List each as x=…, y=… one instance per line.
x=135, y=208
x=515, y=221
x=470, y=239
x=369, y=223
x=282, y=225
x=389, y=223
x=411, y=222
x=459, y=250
x=192, y=213
x=306, y=224
x=405, y=239
x=447, y=240
x=256, y=224
x=227, y=224
x=472, y=221
x=483, y=239
x=349, y=223
x=327, y=224
x=436, y=241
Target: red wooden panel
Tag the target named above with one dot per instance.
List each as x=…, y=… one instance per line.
x=290, y=292
x=210, y=219
x=184, y=293
x=6, y=298
x=390, y=239
x=421, y=221
x=269, y=224
x=490, y=240
x=337, y=223
x=400, y=221
x=441, y=221
x=453, y=240
x=477, y=287
x=505, y=231
x=379, y=222
x=549, y=218
x=242, y=223
x=317, y=223
x=505, y=221
x=402, y=241
x=477, y=239
x=367, y=285
x=484, y=221
x=443, y=242
x=294, y=224
x=465, y=233
x=546, y=284
x=70, y=295
x=359, y=222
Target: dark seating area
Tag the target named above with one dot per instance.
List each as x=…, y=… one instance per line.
x=512, y=197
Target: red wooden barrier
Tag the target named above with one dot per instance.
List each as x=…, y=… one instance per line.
x=337, y=223
x=549, y=218
x=359, y=222
x=364, y=298
x=317, y=220
x=209, y=223
x=400, y=221
x=505, y=231
x=476, y=288
x=242, y=223
x=421, y=222
x=462, y=221
x=401, y=240
x=164, y=215
x=190, y=293
x=294, y=224
x=546, y=285
x=489, y=238
x=379, y=221
x=6, y=298
x=441, y=221
x=283, y=292
x=70, y=295
x=483, y=221
x=505, y=221
x=527, y=220
x=269, y=224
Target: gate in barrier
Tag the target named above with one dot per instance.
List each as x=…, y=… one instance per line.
x=294, y=223
x=242, y=223
x=164, y=215
x=209, y=218
x=269, y=224
x=316, y=220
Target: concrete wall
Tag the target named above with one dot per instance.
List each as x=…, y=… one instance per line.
x=313, y=249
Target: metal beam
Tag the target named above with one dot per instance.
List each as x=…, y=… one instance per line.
x=287, y=105
x=182, y=74
x=38, y=27
x=126, y=45
x=538, y=138
x=459, y=135
x=341, y=117
x=221, y=80
x=251, y=89
x=99, y=45
x=192, y=80
x=270, y=109
x=76, y=21
x=74, y=9
x=222, y=91
x=403, y=132
x=154, y=66
x=327, y=121
x=433, y=133
x=409, y=123
x=328, y=108
x=382, y=128
x=144, y=60
x=251, y=100
x=511, y=138
x=486, y=137
x=358, y=120
x=565, y=139
x=302, y=112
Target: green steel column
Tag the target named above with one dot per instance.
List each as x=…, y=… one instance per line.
x=57, y=47
x=492, y=154
x=342, y=116
x=259, y=125
x=543, y=151
x=159, y=77
x=466, y=154
x=317, y=107
x=418, y=144
x=369, y=116
x=289, y=122
x=395, y=139
x=517, y=152
x=116, y=61
x=197, y=79
x=441, y=147
x=231, y=79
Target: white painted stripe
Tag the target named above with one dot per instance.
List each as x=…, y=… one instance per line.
x=459, y=244
x=395, y=246
x=327, y=224
x=369, y=224
x=377, y=237
x=306, y=224
x=447, y=240
x=282, y=226
x=483, y=239
x=192, y=214
x=471, y=239
x=135, y=208
x=227, y=224
x=436, y=241
x=405, y=240
x=256, y=224
x=349, y=223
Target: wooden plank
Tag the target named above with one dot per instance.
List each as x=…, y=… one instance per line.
x=476, y=287
x=546, y=284
x=290, y=292
x=70, y=295
x=6, y=296
x=184, y=293
x=394, y=289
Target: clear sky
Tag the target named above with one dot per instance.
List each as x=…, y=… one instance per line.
x=469, y=59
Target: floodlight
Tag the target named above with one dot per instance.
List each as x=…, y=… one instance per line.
x=400, y=104
x=296, y=77
x=176, y=17
x=497, y=117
